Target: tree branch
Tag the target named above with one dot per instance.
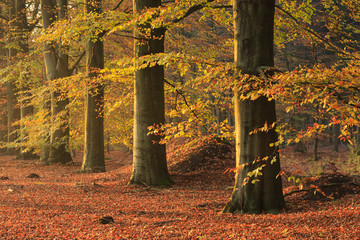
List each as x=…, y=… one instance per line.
x=4, y=18
x=319, y=188
x=313, y=33
x=100, y=36
x=77, y=62
x=186, y=103
x=192, y=10
x=118, y=5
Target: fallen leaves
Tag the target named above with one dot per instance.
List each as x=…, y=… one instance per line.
x=56, y=206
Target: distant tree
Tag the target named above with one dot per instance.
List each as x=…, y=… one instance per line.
x=257, y=183
x=13, y=111
x=3, y=113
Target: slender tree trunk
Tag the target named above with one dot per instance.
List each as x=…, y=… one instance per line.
x=56, y=63
x=13, y=113
x=25, y=108
x=94, y=158
x=336, y=134
x=315, y=149
x=3, y=112
x=13, y=110
x=46, y=106
x=254, y=21
x=149, y=156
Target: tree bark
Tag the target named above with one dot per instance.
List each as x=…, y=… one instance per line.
x=149, y=156
x=56, y=63
x=26, y=109
x=3, y=106
x=94, y=158
x=336, y=134
x=254, y=21
x=13, y=110
x=46, y=106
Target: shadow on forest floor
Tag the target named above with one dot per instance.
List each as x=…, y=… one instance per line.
x=64, y=203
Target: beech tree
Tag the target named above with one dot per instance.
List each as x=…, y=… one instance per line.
x=149, y=156
x=56, y=64
x=94, y=159
x=257, y=182
x=13, y=111
x=22, y=38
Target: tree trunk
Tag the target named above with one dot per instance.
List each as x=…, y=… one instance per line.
x=94, y=158
x=3, y=106
x=13, y=110
x=13, y=113
x=149, y=156
x=56, y=63
x=315, y=150
x=336, y=134
x=46, y=106
x=25, y=108
x=254, y=21
x=300, y=147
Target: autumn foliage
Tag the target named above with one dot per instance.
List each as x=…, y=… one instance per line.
x=315, y=83
x=64, y=203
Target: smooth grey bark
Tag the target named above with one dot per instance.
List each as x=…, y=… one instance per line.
x=94, y=158
x=56, y=64
x=149, y=156
x=253, y=24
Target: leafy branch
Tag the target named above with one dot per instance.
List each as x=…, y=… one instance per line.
x=185, y=101
x=316, y=35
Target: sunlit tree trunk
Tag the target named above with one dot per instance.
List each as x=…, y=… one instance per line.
x=149, y=157
x=56, y=63
x=94, y=159
x=254, y=21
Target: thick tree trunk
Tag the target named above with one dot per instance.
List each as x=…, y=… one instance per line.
x=149, y=156
x=94, y=158
x=254, y=21
x=56, y=64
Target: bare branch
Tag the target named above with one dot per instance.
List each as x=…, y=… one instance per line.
x=77, y=62
x=313, y=33
x=191, y=10
x=118, y=5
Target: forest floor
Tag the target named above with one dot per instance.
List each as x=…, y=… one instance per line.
x=60, y=202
